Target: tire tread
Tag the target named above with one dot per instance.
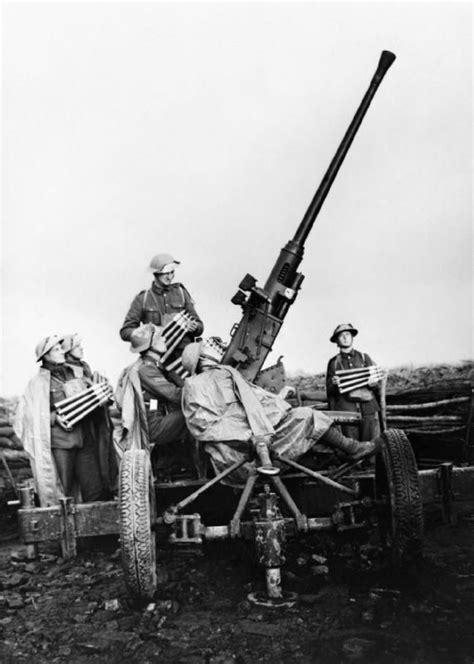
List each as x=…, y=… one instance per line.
x=137, y=539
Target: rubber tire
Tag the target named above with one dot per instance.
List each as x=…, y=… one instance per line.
x=137, y=512
x=397, y=487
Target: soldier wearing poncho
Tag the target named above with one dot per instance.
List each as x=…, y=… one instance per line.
x=64, y=463
x=225, y=412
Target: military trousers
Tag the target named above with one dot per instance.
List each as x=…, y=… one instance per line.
x=165, y=429
x=79, y=466
x=367, y=429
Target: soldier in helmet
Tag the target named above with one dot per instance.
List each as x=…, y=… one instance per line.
x=74, y=356
x=64, y=461
x=161, y=301
x=362, y=400
x=149, y=400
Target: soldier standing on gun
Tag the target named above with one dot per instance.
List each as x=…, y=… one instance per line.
x=362, y=400
x=161, y=301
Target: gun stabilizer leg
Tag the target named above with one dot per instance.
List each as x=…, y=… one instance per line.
x=264, y=464
x=270, y=537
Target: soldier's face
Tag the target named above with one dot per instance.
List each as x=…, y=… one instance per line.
x=344, y=339
x=158, y=344
x=164, y=278
x=77, y=352
x=55, y=355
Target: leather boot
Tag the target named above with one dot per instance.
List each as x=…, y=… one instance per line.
x=354, y=449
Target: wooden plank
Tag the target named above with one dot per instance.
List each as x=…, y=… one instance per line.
x=429, y=404
x=100, y=518
x=40, y=524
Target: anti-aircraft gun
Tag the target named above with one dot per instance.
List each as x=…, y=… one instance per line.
x=269, y=508
x=264, y=309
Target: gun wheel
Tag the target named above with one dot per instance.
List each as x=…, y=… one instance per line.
x=137, y=513
x=398, y=493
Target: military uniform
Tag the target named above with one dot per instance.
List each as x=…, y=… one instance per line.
x=158, y=305
x=74, y=452
x=162, y=399
x=80, y=368
x=369, y=426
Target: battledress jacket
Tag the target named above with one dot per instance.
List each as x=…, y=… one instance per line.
x=138, y=384
x=33, y=425
x=224, y=411
x=353, y=360
x=158, y=305
x=81, y=369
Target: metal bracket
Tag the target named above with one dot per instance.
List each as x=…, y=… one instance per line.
x=345, y=517
x=187, y=529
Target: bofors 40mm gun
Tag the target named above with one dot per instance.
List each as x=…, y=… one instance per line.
x=268, y=509
x=264, y=309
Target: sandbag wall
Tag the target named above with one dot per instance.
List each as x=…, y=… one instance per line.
x=14, y=463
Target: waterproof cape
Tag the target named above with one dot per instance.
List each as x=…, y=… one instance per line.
x=133, y=432
x=33, y=426
x=225, y=411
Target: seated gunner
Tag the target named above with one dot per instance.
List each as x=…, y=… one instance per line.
x=224, y=412
x=150, y=399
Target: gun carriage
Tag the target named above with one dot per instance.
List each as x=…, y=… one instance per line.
x=268, y=509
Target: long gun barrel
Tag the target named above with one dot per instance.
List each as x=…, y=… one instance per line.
x=264, y=309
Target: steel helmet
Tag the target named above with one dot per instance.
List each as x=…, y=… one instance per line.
x=160, y=261
x=45, y=345
x=71, y=341
x=343, y=327
x=141, y=337
x=190, y=357
x=212, y=348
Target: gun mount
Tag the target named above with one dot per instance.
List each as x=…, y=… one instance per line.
x=264, y=309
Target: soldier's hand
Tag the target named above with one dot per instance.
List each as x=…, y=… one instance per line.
x=62, y=424
x=286, y=391
x=335, y=380
x=193, y=326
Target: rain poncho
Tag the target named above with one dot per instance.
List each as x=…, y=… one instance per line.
x=224, y=411
x=33, y=426
x=133, y=432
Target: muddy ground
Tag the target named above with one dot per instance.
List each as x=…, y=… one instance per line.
x=351, y=607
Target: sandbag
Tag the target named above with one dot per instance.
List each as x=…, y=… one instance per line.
x=17, y=443
x=15, y=455
x=12, y=442
x=7, y=442
x=6, y=430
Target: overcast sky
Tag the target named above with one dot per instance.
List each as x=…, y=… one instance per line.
x=203, y=130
